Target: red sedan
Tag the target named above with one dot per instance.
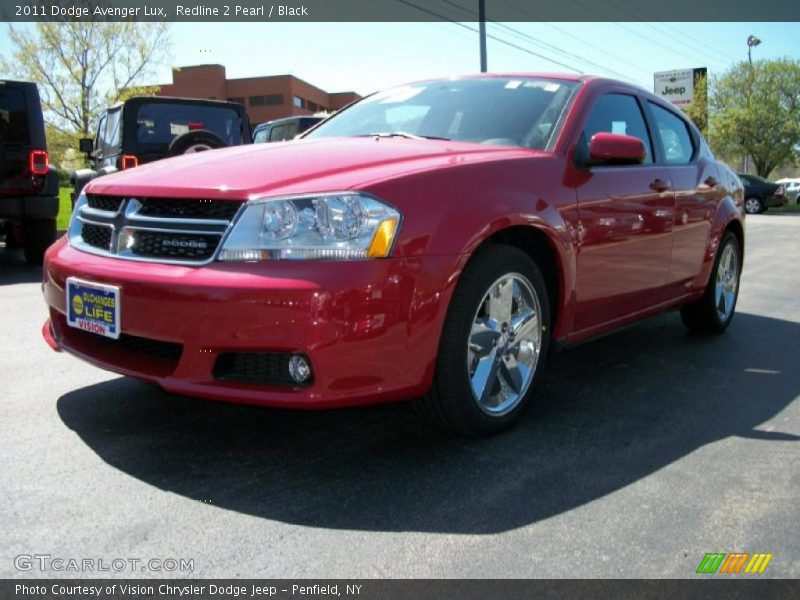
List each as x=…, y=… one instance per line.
x=434, y=241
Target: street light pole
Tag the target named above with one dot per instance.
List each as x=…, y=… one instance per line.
x=482, y=26
x=752, y=42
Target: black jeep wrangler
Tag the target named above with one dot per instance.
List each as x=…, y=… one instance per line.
x=146, y=128
x=28, y=184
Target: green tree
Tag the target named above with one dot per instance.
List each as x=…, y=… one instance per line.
x=755, y=111
x=698, y=110
x=82, y=67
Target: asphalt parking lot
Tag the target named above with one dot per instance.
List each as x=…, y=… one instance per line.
x=644, y=451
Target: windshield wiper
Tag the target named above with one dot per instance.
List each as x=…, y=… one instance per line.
x=404, y=134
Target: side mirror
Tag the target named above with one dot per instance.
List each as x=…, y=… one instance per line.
x=86, y=145
x=615, y=148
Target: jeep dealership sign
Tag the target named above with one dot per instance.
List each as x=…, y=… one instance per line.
x=677, y=86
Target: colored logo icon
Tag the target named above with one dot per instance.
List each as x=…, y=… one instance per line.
x=734, y=562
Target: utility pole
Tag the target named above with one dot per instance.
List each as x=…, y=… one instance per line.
x=482, y=25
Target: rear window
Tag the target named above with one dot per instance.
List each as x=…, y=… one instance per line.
x=13, y=117
x=160, y=123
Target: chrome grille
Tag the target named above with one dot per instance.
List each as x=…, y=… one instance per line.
x=165, y=230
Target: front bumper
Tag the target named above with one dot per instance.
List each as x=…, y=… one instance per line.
x=369, y=329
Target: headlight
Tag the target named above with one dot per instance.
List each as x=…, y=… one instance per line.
x=341, y=226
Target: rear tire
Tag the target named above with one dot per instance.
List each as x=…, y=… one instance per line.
x=39, y=234
x=493, y=345
x=714, y=311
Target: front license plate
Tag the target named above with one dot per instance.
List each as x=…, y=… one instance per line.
x=93, y=307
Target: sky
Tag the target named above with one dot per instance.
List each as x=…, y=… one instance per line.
x=365, y=57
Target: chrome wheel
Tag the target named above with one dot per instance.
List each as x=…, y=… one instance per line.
x=504, y=344
x=752, y=206
x=727, y=282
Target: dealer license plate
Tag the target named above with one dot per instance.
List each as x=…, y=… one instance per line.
x=93, y=307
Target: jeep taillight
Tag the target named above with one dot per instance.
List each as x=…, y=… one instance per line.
x=129, y=161
x=37, y=161
x=780, y=191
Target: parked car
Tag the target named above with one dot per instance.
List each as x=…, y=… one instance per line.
x=283, y=129
x=792, y=188
x=415, y=245
x=28, y=184
x=147, y=128
x=761, y=194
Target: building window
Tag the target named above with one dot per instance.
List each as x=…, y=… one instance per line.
x=269, y=100
x=313, y=106
x=239, y=100
x=299, y=102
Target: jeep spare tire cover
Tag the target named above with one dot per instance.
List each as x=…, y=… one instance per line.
x=195, y=141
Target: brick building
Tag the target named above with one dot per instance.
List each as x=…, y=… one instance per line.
x=265, y=98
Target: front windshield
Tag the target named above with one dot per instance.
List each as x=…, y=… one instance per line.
x=505, y=111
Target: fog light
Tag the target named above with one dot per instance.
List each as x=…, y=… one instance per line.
x=299, y=369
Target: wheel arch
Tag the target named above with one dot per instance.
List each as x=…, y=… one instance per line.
x=735, y=226
x=728, y=218
x=543, y=249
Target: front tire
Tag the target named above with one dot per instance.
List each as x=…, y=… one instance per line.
x=714, y=311
x=753, y=205
x=493, y=345
x=39, y=234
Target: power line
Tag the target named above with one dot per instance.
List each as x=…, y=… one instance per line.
x=634, y=32
x=658, y=28
x=668, y=28
x=493, y=37
x=581, y=41
x=564, y=52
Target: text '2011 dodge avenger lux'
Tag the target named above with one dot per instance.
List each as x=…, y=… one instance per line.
x=433, y=241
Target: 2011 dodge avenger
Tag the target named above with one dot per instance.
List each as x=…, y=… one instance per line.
x=434, y=242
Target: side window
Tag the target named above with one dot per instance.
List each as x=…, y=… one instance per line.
x=618, y=113
x=678, y=146
x=99, y=142
x=112, y=136
x=283, y=132
x=261, y=136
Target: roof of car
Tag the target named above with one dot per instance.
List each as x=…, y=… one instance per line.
x=288, y=119
x=174, y=100
x=571, y=77
x=15, y=83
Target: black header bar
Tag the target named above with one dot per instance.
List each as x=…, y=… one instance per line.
x=397, y=10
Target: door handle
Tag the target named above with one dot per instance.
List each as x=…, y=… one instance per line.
x=659, y=185
x=711, y=182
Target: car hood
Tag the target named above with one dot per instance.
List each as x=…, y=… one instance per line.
x=300, y=166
